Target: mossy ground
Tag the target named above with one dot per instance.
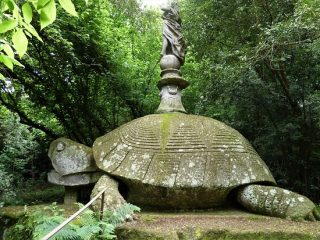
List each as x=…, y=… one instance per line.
x=14, y=212
x=219, y=224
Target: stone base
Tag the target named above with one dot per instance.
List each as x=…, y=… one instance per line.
x=220, y=224
x=70, y=195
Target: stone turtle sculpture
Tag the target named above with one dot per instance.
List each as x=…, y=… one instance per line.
x=180, y=161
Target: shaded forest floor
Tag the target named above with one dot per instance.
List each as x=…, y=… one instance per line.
x=220, y=224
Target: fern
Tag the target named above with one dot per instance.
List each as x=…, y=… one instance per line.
x=107, y=231
x=121, y=214
x=87, y=226
x=89, y=232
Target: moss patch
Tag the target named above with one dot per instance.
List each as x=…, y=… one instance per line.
x=165, y=129
x=221, y=224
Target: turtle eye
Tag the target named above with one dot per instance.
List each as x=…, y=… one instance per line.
x=60, y=146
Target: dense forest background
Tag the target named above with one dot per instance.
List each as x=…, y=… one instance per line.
x=254, y=64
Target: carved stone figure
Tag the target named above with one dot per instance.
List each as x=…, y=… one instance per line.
x=173, y=42
x=180, y=161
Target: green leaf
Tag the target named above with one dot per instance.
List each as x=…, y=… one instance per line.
x=6, y=61
x=3, y=7
x=27, y=12
x=8, y=25
x=42, y=3
x=48, y=14
x=11, y=4
x=31, y=30
x=20, y=42
x=15, y=62
x=2, y=77
x=68, y=6
x=8, y=50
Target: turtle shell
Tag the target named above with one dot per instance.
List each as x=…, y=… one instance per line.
x=177, y=152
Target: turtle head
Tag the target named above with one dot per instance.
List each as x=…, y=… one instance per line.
x=69, y=157
x=59, y=146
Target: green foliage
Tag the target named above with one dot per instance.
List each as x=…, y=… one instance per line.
x=98, y=72
x=256, y=66
x=15, y=27
x=21, y=162
x=121, y=214
x=85, y=227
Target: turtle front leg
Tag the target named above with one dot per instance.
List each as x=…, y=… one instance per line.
x=113, y=199
x=277, y=202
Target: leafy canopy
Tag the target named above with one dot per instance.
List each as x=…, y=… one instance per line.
x=16, y=26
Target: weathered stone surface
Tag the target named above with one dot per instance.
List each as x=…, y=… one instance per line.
x=169, y=61
x=179, y=161
x=216, y=225
x=73, y=179
x=113, y=199
x=170, y=100
x=69, y=157
x=278, y=202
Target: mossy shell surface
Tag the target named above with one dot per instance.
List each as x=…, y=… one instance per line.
x=179, y=161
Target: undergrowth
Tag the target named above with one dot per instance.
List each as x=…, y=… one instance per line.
x=87, y=226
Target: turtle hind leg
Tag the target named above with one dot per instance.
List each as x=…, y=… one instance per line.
x=277, y=202
x=113, y=199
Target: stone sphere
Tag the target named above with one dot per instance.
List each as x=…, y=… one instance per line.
x=169, y=61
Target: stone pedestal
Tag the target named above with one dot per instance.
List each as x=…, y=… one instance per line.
x=70, y=195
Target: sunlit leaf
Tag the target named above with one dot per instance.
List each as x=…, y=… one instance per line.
x=31, y=30
x=48, y=14
x=2, y=77
x=11, y=4
x=3, y=6
x=42, y=3
x=27, y=12
x=6, y=61
x=8, y=25
x=68, y=6
x=8, y=50
x=20, y=42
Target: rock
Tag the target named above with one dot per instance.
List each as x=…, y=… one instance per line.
x=69, y=157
